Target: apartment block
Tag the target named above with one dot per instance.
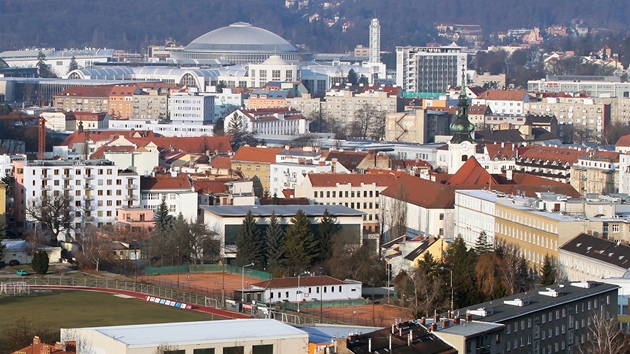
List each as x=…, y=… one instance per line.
x=95, y=189
x=151, y=104
x=429, y=69
x=255, y=164
x=588, y=257
x=83, y=99
x=592, y=114
x=175, y=189
x=191, y=108
x=596, y=172
x=121, y=101
x=291, y=167
x=342, y=103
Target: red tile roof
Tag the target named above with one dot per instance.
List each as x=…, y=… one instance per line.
x=332, y=179
x=508, y=151
x=471, y=173
x=123, y=90
x=292, y=282
x=87, y=91
x=544, y=153
x=624, y=141
x=103, y=135
x=256, y=154
x=165, y=181
x=503, y=95
x=210, y=187
x=222, y=162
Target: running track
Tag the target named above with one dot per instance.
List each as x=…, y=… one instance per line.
x=141, y=296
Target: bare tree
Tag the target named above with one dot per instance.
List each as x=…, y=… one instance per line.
x=83, y=345
x=96, y=247
x=204, y=244
x=606, y=337
x=368, y=123
x=514, y=272
x=52, y=212
x=394, y=215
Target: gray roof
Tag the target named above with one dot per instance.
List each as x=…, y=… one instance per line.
x=201, y=332
x=281, y=210
x=534, y=301
x=599, y=249
x=238, y=37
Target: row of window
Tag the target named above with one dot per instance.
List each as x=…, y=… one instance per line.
x=345, y=194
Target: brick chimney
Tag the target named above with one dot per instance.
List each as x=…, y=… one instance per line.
x=36, y=340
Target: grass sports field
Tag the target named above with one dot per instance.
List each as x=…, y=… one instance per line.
x=87, y=309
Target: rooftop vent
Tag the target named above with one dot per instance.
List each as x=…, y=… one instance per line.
x=582, y=284
x=479, y=312
x=550, y=292
x=515, y=302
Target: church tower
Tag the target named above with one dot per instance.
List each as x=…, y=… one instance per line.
x=461, y=146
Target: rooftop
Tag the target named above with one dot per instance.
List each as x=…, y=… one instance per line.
x=599, y=249
x=281, y=210
x=292, y=282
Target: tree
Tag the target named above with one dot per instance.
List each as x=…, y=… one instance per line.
x=487, y=276
x=548, y=271
x=274, y=238
x=482, y=246
x=182, y=242
x=299, y=243
x=20, y=333
x=52, y=212
x=5, y=109
x=422, y=290
x=606, y=337
x=460, y=261
x=42, y=68
x=73, y=64
x=364, y=80
x=352, y=77
x=249, y=248
x=515, y=273
x=40, y=262
x=368, y=123
x=220, y=86
x=96, y=248
x=219, y=127
x=394, y=216
x=239, y=134
x=205, y=246
x=162, y=233
x=614, y=131
x=326, y=228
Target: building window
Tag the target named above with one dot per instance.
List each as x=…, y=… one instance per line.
x=615, y=228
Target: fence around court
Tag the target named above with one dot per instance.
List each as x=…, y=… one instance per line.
x=207, y=268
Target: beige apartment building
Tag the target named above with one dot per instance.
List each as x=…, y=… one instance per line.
x=308, y=105
x=83, y=99
x=151, y=104
x=538, y=233
x=589, y=113
x=596, y=172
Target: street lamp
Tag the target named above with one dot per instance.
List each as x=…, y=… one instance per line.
x=243, y=278
x=135, y=258
x=178, y=263
x=299, y=291
x=444, y=268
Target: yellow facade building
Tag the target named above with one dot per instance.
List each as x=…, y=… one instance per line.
x=255, y=164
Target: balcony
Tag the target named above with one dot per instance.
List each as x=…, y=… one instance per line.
x=67, y=187
x=88, y=186
x=132, y=186
x=47, y=187
x=46, y=177
x=131, y=197
x=89, y=176
x=67, y=176
x=88, y=198
x=88, y=218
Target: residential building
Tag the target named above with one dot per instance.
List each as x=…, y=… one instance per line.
x=255, y=164
x=265, y=99
x=174, y=189
x=292, y=165
x=191, y=108
x=273, y=69
x=226, y=220
x=593, y=86
x=227, y=336
x=307, y=104
x=417, y=126
x=129, y=156
x=504, y=101
x=430, y=202
x=588, y=115
x=305, y=288
x=404, y=254
x=86, y=121
x=549, y=162
x=55, y=121
x=83, y=99
x=596, y=172
x=121, y=101
x=429, y=69
x=135, y=219
x=548, y=320
x=42, y=348
x=355, y=191
x=588, y=257
x=151, y=103
x=95, y=189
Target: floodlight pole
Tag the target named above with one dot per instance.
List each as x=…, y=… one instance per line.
x=444, y=268
x=243, y=279
x=298, y=290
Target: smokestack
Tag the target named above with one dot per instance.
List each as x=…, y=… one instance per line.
x=423, y=321
x=445, y=323
x=390, y=344
x=468, y=317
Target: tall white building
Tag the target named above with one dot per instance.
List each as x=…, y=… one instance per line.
x=375, y=42
x=176, y=190
x=191, y=108
x=429, y=69
x=97, y=188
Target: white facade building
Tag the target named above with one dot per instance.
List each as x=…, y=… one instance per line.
x=272, y=121
x=429, y=69
x=57, y=60
x=165, y=129
x=292, y=166
x=273, y=69
x=473, y=214
x=176, y=190
x=227, y=336
x=55, y=121
x=97, y=188
x=191, y=109
x=308, y=288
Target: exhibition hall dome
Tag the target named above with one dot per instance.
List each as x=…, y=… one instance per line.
x=239, y=43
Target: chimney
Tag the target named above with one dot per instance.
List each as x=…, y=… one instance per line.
x=456, y=320
x=369, y=345
x=445, y=323
x=433, y=327
x=468, y=317
x=449, y=314
x=436, y=318
x=409, y=339
x=508, y=174
x=36, y=340
x=390, y=343
x=423, y=321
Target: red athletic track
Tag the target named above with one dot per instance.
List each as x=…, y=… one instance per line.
x=141, y=296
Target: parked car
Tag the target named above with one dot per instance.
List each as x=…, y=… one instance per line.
x=14, y=262
x=21, y=272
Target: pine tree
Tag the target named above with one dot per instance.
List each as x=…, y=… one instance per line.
x=248, y=242
x=353, y=78
x=298, y=243
x=219, y=127
x=548, y=271
x=482, y=246
x=162, y=233
x=326, y=229
x=42, y=69
x=73, y=64
x=181, y=239
x=274, y=237
x=40, y=262
x=462, y=262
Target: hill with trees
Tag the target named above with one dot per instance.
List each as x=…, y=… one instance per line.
x=133, y=25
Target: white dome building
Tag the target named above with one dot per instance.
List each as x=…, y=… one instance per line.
x=239, y=43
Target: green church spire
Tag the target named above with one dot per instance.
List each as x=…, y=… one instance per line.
x=462, y=127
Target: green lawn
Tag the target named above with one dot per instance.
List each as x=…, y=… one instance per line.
x=70, y=309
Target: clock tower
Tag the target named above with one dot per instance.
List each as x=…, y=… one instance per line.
x=461, y=146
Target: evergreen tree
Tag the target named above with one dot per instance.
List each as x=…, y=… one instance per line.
x=326, y=229
x=73, y=64
x=363, y=80
x=248, y=242
x=353, y=78
x=162, y=233
x=548, y=271
x=299, y=243
x=428, y=264
x=40, y=262
x=462, y=262
x=42, y=69
x=219, y=127
x=182, y=243
x=274, y=237
x=482, y=246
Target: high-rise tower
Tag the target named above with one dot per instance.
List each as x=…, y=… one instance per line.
x=375, y=42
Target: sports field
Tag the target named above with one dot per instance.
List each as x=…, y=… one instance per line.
x=88, y=309
x=206, y=282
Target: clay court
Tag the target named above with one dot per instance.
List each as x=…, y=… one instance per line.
x=209, y=283
x=364, y=315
